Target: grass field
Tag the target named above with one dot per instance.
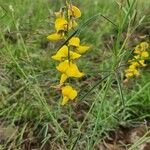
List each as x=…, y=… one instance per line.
x=31, y=114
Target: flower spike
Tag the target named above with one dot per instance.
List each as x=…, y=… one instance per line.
x=70, y=52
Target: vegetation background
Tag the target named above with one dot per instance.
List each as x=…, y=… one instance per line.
x=31, y=116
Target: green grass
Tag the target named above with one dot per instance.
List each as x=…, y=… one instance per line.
x=27, y=74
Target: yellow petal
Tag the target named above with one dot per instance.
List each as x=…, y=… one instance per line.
x=70, y=69
x=69, y=92
x=136, y=72
x=73, y=71
x=63, y=78
x=73, y=94
x=74, y=41
x=142, y=63
x=57, y=57
x=66, y=90
x=129, y=75
x=137, y=56
x=54, y=37
x=65, y=100
x=133, y=65
x=144, y=54
x=130, y=72
x=144, y=45
x=136, y=51
x=61, y=24
x=82, y=49
x=63, y=66
x=74, y=55
x=74, y=12
x=73, y=24
x=63, y=53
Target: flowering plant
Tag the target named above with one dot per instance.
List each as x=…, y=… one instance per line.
x=70, y=51
x=138, y=61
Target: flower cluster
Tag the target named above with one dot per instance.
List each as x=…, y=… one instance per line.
x=138, y=61
x=72, y=49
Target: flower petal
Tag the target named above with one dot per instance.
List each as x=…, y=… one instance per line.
x=70, y=69
x=142, y=63
x=74, y=12
x=63, y=78
x=69, y=92
x=65, y=100
x=61, y=54
x=144, y=54
x=73, y=24
x=73, y=94
x=82, y=49
x=54, y=37
x=61, y=24
x=73, y=71
x=63, y=66
x=129, y=74
x=144, y=46
x=74, y=41
x=74, y=55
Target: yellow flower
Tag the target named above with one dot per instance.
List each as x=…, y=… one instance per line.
x=68, y=94
x=144, y=46
x=74, y=12
x=136, y=72
x=68, y=69
x=138, y=60
x=144, y=54
x=63, y=78
x=129, y=75
x=75, y=41
x=132, y=67
x=137, y=50
x=131, y=71
x=134, y=63
x=73, y=23
x=55, y=37
x=82, y=49
x=61, y=27
x=61, y=24
x=137, y=57
x=63, y=53
x=142, y=63
x=141, y=47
